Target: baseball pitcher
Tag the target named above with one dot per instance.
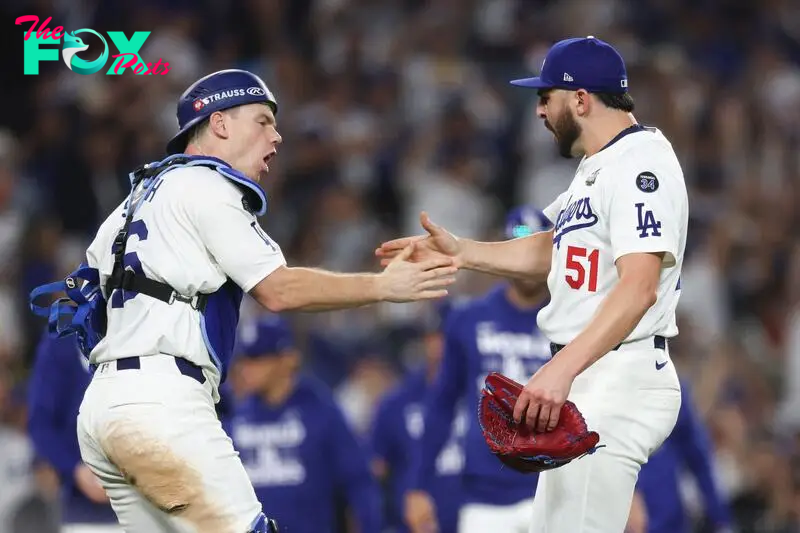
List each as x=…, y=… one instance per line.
x=157, y=303
x=612, y=263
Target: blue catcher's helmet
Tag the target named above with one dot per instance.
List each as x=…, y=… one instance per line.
x=525, y=220
x=217, y=91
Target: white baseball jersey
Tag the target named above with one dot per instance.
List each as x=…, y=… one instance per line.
x=630, y=197
x=191, y=232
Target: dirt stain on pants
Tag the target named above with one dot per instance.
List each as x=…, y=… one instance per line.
x=163, y=478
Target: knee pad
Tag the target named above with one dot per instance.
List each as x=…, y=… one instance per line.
x=262, y=524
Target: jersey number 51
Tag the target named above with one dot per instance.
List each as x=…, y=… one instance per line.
x=577, y=257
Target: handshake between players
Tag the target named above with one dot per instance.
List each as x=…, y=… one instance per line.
x=539, y=405
x=414, y=274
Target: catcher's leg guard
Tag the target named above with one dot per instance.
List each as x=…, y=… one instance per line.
x=262, y=524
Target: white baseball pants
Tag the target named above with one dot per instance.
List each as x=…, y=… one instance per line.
x=153, y=438
x=632, y=400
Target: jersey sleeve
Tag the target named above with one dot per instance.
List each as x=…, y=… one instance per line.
x=233, y=235
x=551, y=211
x=644, y=212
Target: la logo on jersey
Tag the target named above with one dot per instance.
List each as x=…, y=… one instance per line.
x=648, y=225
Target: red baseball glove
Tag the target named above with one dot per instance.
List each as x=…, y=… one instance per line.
x=520, y=447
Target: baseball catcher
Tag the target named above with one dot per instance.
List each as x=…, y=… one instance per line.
x=521, y=448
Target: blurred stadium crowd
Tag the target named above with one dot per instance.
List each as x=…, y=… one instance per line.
x=389, y=107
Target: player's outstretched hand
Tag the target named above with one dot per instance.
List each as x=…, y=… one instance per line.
x=407, y=281
x=420, y=512
x=539, y=404
x=436, y=244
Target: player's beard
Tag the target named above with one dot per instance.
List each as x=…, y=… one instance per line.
x=566, y=131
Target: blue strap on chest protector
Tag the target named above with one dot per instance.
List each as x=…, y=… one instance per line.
x=83, y=311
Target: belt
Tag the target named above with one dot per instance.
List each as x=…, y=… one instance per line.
x=659, y=343
x=186, y=367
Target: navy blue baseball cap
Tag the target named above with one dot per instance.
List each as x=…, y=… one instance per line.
x=267, y=336
x=215, y=92
x=581, y=63
x=525, y=220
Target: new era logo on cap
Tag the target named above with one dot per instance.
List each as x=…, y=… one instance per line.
x=581, y=63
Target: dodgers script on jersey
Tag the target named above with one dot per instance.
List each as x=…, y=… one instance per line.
x=191, y=231
x=628, y=198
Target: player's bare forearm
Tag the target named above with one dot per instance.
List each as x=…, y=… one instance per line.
x=311, y=289
x=526, y=258
x=619, y=313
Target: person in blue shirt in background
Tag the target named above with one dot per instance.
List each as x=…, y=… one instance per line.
x=688, y=448
x=398, y=423
x=294, y=442
x=496, y=332
x=58, y=380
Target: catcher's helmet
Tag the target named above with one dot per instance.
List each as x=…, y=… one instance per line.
x=525, y=220
x=217, y=91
